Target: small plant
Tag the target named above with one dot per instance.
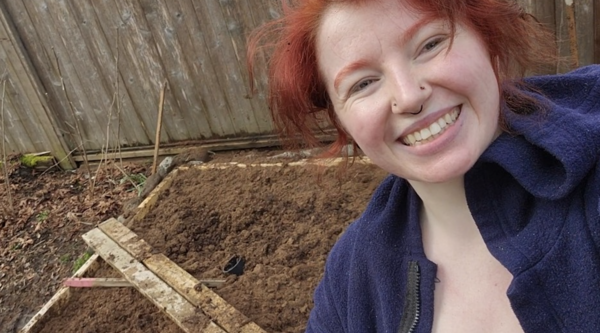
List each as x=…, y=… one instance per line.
x=137, y=180
x=43, y=216
x=65, y=258
x=81, y=260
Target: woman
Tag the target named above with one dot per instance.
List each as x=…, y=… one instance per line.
x=490, y=219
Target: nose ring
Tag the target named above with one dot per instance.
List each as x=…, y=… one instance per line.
x=415, y=113
x=420, y=110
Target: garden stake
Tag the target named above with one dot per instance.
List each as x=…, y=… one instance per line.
x=161, y=102
x=569, y=8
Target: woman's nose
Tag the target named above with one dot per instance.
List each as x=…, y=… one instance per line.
x=407, y=93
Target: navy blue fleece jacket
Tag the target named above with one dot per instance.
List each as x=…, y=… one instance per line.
x=535, y=199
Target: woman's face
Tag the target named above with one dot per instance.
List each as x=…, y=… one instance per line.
x=381, y=63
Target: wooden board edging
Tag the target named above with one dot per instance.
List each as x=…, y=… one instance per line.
x=150, y=201
x=213, y=305
x=182, y=312
x=59, y=300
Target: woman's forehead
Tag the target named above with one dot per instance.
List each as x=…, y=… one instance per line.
x=347, y=15
x=346, y=24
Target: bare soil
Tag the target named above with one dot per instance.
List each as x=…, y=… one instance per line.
x=283, y=220
x=109, y=310
x=42, y=218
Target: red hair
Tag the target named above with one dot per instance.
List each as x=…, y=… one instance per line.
x=516, y=42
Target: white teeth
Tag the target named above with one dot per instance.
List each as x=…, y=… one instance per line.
x=419, y=137
x=447, y=118
x=425, y=133
x=454, y=114
x=435, y=128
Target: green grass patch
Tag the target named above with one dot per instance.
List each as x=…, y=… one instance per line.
x=65, y=258
x=42, y=216
x=81, y=260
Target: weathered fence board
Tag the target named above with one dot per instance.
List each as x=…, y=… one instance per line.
x=553, y=14
x=112, y=79
x=596, y=22
x=121, y=37
x=223, y=58
x=204, y=74
x=27, y=123
x=26, y=30
x=169, y=29
x=113, y=57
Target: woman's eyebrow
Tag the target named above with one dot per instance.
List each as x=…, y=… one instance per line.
x=412, y=31
x=406, y=37
x=347, y=70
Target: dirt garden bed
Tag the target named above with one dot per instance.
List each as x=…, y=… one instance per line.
x=282, y=219
x=108, y=310
x=279, y=218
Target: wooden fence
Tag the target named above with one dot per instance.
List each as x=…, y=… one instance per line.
x=557, y=15
x=85, y=75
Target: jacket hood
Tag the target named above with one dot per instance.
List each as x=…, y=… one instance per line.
x=553, y=150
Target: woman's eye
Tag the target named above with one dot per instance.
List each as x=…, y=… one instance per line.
x=361, y=85
x=432, y=44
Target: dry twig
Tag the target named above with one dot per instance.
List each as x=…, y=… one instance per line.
x=58, y=162
x=4, y=159
x=115, y=101
x=161, y=103
x=117, y=89
x=77, y=129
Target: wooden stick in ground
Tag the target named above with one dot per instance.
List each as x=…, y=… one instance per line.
x=570, y=10
x=161, y=103
x=4, y=159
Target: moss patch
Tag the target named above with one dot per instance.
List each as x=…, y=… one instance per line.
x=31, y=161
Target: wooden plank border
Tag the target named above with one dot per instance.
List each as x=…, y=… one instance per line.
x=215, y=307
x=182, y=312
x=60, y=299
x=201, y=296
x=150, y=201
x=213, y=145
x=146, y=205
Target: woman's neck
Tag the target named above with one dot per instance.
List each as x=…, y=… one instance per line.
x=445, y=209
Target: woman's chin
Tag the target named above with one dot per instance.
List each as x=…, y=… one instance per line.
x=445, y=174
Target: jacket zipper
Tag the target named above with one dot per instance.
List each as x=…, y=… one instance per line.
x=412, y=301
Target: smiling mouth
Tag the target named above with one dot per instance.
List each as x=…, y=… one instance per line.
x=432, y=131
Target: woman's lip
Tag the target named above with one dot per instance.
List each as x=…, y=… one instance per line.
x=426, y=121
x=439, y=143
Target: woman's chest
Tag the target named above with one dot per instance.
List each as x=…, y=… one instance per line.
x=468, y=299
x=470, y=293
